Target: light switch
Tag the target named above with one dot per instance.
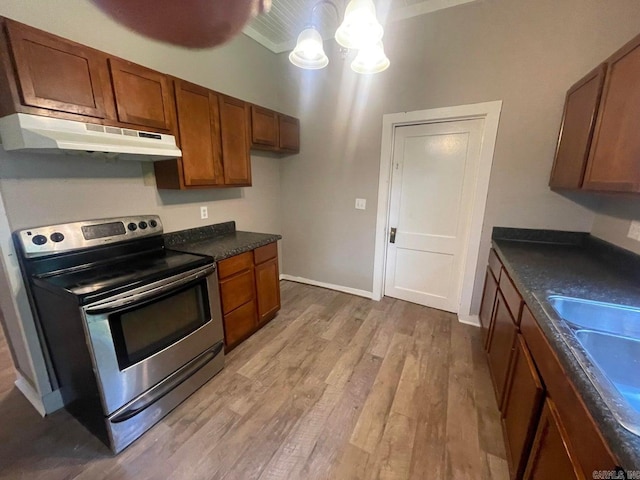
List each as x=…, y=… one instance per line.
x=634, y=230
x=361, y=203
x=204, y=213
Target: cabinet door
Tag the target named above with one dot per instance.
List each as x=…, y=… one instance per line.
x=234, y=116
x=614, y=162
x=576, y=131
x=236, y=291
x=488, y=301
x=57, y=74
x=289, y=137
x=551, y=455
x=501, y=346
x=523, y=399
x=264, y=127
x=268, y=289
x=143, y=96
x=199, y=127
x=239, y=324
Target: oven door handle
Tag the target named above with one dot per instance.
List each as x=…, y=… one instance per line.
x=154, y=394
x=162, y=287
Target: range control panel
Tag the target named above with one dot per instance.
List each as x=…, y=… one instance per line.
x=66, y=237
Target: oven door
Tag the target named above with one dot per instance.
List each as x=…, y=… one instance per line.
x=141, y=337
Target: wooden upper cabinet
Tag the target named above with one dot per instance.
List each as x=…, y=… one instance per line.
x=143, y=96
x=234, y=115
x=289, y=138
x=614, y=162
x=264, y=127
x=576, y=131
x=551, y=455
x=199, y=128
x=57, y=74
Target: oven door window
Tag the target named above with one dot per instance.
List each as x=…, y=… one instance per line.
x=146, y=329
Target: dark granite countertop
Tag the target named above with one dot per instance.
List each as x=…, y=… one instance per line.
x=541, y=263
x=219, y=241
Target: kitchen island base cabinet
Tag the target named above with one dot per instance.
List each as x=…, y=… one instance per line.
x=249, y=292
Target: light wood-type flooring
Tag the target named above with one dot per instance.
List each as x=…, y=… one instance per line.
x=335, y=387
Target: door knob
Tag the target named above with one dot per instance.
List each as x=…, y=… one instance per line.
x=392, y=235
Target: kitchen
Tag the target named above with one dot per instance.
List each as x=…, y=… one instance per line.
x=526, y=56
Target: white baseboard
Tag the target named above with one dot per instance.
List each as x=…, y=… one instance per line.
x=30, y=394
x=330, y=286
x=469, y=320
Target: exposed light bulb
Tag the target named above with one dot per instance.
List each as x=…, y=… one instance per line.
x=360, y=26
x=371, y=59
x=309, y=51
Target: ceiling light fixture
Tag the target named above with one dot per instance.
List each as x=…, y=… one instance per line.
x=359, y=30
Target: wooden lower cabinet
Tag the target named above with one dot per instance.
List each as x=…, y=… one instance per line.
x=549, y=433
x=486, y=307
x=240, y=323
x=523, y=399
x=551, y=452
x=249, y=292
x=267, y=282
x=501, y=345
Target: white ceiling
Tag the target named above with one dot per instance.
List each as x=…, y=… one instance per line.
x=278, y=29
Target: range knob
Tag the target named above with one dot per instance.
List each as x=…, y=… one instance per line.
x=153, y=223
x=142, y=225
x=39, y=239
x=56, y=237
x=132, y=227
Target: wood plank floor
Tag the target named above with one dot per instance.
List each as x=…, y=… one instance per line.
x=336, y=387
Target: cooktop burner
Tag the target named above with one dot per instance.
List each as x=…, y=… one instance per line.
x=120, y=273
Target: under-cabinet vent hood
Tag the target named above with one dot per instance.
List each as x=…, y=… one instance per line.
x=33, y=133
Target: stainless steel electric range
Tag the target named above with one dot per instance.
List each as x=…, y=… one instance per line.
x=130, y=328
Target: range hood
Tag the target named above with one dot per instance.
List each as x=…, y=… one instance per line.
x=33, y=133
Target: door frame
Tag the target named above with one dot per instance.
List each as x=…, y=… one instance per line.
x=490, y=112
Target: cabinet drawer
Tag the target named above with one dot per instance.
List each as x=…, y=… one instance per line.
x=240, y=323
x=233, y=265
x=236, y=291
x=495, y=264
x=593, y=453
x=511, y=297
x=262, y=254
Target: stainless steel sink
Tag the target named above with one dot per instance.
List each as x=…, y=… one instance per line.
x=605, y=339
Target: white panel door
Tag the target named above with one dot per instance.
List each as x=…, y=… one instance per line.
x=434, y=175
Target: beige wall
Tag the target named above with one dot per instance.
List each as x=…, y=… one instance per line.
x=524, y=53
x=44, y=189
x=614, y=219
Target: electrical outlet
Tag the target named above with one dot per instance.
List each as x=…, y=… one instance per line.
x=361, y=203
x=204, y=213
x=634, y=230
